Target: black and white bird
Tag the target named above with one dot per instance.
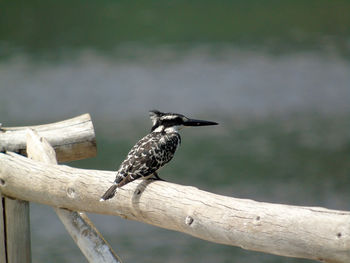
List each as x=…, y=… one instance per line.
x=154, y=150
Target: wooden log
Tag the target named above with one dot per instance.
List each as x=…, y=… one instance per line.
x=14, y=230
x=17, y=231
x=94, y=247
x=293, y=231
x=72, y=139
x=39, y=149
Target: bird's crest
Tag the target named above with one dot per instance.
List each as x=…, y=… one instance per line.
x=155, y=116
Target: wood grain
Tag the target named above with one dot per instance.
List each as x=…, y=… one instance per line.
x=72, y=139
x=293, y=231
x=92, y=244
x=17, y=231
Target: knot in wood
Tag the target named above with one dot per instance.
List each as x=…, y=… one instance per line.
x=189, y=220
x=71, y=192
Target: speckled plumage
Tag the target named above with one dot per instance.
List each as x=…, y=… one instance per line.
x=143, y=160
x=148, y=155
x=154, y=150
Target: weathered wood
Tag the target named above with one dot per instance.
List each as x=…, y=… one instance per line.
x=95, y=248
x=78, y=225
x=72, y=139
x=39, y=149
x=17, y=231
x=2, y=230
x=305, y=232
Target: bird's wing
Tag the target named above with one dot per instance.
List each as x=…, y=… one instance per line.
x=141, y=160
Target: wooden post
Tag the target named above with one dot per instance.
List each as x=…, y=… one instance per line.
x=3, y=253
x=14, y=230
x=17, y=231
x=78, y=225
x=73, y=139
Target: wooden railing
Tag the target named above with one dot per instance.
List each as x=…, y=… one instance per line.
x=292, y=231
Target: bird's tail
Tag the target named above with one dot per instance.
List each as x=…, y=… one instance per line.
x=109, y=193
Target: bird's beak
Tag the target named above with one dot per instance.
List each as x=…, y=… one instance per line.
x=193, y=122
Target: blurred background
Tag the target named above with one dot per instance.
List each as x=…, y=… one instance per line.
x=274, y=74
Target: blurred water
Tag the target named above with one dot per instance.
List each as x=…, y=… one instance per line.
x=232, y=82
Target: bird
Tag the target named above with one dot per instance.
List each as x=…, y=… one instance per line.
x=154, y=150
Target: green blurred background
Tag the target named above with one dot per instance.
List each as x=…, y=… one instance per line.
x=274, y=74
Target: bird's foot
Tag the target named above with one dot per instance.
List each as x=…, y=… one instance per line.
x=156, y=177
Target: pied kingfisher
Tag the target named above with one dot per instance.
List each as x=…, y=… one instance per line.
x=154, y=150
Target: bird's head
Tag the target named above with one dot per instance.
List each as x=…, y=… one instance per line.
x=172, y=122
